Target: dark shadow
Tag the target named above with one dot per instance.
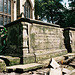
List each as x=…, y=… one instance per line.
x=67, y=41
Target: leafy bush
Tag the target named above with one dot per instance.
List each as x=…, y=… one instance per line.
x=3, y=36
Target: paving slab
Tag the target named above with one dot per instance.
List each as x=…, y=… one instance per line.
x=72, y=72
x=54, y=64
x=72, y=64
x=66, y=71
x=22, y=68
x=55, y=71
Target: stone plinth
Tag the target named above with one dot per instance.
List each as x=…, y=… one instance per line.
x=34, y=40
x=69, y=39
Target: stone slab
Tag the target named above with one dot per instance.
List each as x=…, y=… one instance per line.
x=66, y=71
x=72, y=72
x=69, y=55
x=72, y=64
x=54, y=64
x=22, y=68
x=55, y=71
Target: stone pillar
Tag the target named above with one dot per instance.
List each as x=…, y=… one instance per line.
x=33, y=17
x=15, y=9
x=25, y=39
x=22, y=8
x=12, y=10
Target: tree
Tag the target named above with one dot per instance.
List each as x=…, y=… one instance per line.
x=37, y=8
x=72, y=4
x=51, y=9
x=69, y=18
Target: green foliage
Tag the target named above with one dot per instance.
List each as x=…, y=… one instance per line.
x=55, y=12
x=51, y=9
x=69, y=15
x=3, y=36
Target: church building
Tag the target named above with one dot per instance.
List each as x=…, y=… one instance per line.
x=11, y=10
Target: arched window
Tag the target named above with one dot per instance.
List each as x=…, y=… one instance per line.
x=27, y=9
x=5, y=11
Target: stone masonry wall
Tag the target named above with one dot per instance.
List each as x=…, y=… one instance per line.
x=15, y=40
x=46, y=41
x=34, y=40
x=46, y=38
x=72, y=40
x=69, y=39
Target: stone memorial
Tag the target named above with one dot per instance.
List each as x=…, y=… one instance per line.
x=34, y=41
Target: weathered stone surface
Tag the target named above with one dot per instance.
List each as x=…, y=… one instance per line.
x=72, y=72
x=12, y=73
x=43, y=40
x=69, y=60
x=70, y=39
x=55, y=71
x=29, y=58
x=66, y=71
x=72, y=64
x=9, y=61
x=22, y=68
x=2, y=65
x=49, y=54
x=45, y=62
x=54, y=64
x=15, y=40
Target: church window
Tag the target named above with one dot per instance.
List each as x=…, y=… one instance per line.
x=5, y=12
x=27, y=9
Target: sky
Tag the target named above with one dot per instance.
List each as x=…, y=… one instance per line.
x=65, y=1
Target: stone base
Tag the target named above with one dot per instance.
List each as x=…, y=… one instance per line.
x=31, y=58
x=48, y=55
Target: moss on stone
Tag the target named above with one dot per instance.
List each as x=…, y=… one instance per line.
x=11, y=60
x=27, y=60
x=2, y=66
x=15, y=61
x=32, y=39
x=49, y=55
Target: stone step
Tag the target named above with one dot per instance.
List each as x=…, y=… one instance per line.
x=23, y=68
x=72, y=64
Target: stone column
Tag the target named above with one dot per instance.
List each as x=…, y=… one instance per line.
x=12, y=10
x=15, y=9
x=25, y=39
x=33, y=17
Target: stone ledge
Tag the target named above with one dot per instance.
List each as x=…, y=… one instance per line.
x=31, y=21
x=10, y=60
x=23, y=68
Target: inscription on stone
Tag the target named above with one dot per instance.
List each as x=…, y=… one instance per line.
x=45, y=38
